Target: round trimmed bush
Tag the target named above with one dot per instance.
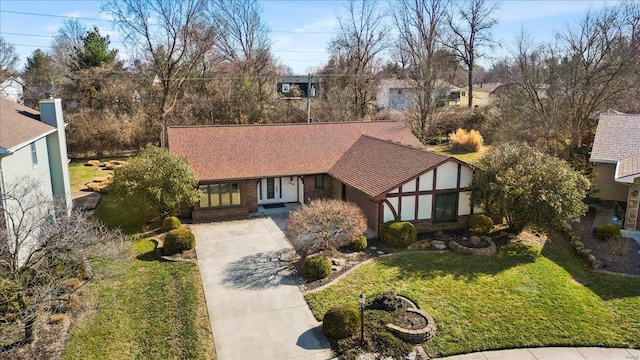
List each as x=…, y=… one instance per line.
x=171, y=223
x=480, y=223
x=359, y=244
x=606, y=232
x=178, y=240
x=340, y=322
x=398, y=234
x=316, y=267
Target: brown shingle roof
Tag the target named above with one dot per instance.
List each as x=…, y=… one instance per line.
x=617, y=137
x=483, y=87
x=19, y=124
x=255, y=151
x=629, y=166
x=374, y=166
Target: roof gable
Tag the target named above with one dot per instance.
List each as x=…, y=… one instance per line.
x=617, y=137
x=375, y=166
x=256, y=151
x=20, y=125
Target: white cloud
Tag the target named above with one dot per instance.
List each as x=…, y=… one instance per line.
x=323, y=25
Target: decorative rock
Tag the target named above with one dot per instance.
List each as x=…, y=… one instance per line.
x=578, y=244
x=373, y=248
x=591, y=258
x=475, y=240
x=438, y=245
x=597, y=264
x=92, y=163
x=338, y=262
x=575, y=238
x=380, y=252
x=486, y=251
x=486, y=238
x=585, y=251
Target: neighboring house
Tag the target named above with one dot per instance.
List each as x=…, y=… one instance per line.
x=380, y=166
x=400, y=94
x=616, y=159
x=483, y=94
x=395, y=94
x=33, y=144
x=12, y=89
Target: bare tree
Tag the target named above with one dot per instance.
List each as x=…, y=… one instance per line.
x=420, y=25
x=596, y=67
x=172, y=35
x=355, y=50
x=8, y=56
x=470, y=25
x=41, y=246
x=67, y=39
x=243, y=40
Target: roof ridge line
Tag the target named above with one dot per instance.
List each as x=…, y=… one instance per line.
x=283, y=124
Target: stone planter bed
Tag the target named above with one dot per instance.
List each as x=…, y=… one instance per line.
x=487, y=247
x=414, y=336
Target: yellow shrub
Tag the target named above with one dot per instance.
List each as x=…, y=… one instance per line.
x=466, y=141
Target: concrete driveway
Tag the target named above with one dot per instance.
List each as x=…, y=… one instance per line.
x=255, y=308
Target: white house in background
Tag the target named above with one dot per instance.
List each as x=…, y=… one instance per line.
x=33, y=144
x=400, y=95
x=12, y=89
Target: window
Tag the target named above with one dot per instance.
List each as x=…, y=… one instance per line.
x=463, y=94
x=218, y=195
x=319, y=181
x=445, y=207
x=34, y=155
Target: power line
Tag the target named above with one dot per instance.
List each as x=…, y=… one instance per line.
x=104, y=20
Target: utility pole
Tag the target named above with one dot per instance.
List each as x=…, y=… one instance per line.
x=310, y=93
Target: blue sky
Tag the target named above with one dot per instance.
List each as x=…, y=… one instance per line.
x=301, y=29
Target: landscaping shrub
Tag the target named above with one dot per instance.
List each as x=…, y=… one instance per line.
x=178, y=240
x=171, y=223
x=464, y=141
x=480, y=223
x=359, y=244
x=316, y=267
x=606, y=232
x=341, y=322
x=387, y=301
x=398, y=234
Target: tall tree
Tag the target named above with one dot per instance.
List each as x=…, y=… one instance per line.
x=243, y=40
x=470, y=25
x=40, y=77
x=172, y=36
x=356, y=53
x=8, y=57
x=94, y=52
x=420, y=25
x=67, y=38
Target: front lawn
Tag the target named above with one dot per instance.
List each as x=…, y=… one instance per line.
x=143, y=308
x=522, y=297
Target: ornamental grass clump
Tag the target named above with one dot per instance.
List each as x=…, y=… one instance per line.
x=466, y=141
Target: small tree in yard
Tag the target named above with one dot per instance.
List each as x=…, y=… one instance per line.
x=157, y=177
x=529, y=187
x=325, y=224
x=43, y=250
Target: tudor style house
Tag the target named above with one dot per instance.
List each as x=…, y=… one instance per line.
x=616, y=162
x=380, y=166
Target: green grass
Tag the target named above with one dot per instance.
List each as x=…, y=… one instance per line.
x=469, y=158
x=523, y=297
x=145, y=309
x=81, y=174
x=129, y=215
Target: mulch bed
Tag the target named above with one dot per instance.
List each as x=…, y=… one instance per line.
x=616, y=256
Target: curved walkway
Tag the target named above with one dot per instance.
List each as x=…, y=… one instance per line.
x=553, y=353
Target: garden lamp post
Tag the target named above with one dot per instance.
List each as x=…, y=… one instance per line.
x=361, y=299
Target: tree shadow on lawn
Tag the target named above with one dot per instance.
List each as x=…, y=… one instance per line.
x=606, y=285
x=429, y=265
x=260, y=271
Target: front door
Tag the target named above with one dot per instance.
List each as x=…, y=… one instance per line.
x=269, y=191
